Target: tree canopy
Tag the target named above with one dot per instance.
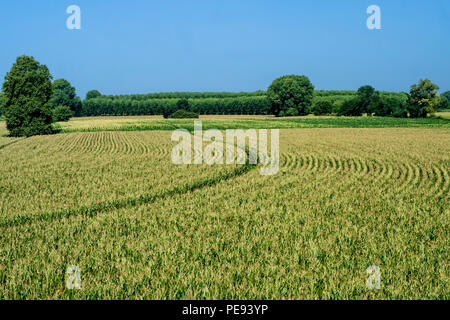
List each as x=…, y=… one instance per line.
x=25, y=93
x=64, y=94
x=423, y=99
x=291, y=91
x=93, y=94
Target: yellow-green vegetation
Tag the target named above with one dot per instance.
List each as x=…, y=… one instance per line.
x=4, y=139
x=138, y=226
x=144, y=123
x=444, y=115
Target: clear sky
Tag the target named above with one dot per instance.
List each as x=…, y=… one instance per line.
x=143, y=46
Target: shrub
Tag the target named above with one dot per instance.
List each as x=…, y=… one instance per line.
x=322, y=107
x=166, y=114
x=291, y=112
x=26, y=92
x=350, y=108
x=62, y=113
x=183, y=114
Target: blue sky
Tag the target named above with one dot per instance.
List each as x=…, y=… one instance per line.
x=142, y=46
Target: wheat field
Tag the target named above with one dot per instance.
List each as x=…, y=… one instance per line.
x=139, y=227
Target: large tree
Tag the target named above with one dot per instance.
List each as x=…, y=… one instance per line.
x=65, y=95
x=368, y=99
x=25, y=93
x=423, y=99
x=291, y=92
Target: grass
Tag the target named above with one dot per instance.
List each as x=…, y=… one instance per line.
x=139, y=227
x=96, y=124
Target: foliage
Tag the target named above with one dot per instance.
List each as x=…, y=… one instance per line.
x=322, y=107
x=183, y=104
x=350, y=108
x=444, y=104
x=446, y=95
x=390, y=106
x=126, y=106
x=219, y=103
x=62, y=113
x=291, y=112
x=368, y=99
x=93, y=94
x=64, y=94
x=183, y=114
x=291, y=92
x=423, y=99
x=26, y=92
x=94, y=124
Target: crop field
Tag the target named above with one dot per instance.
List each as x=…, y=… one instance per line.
x=140, y=227
x=136, y=123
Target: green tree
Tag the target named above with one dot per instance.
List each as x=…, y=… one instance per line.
x=423, y=99
x=93, y=94
x=322, y=107
x=64, y=94
x=445, y=101
x=183, y=104
x=368, y=99
x=350, y=107
x=1, y=103
x=26, y=92
x=290, y=92
x=444, y=104
x=446, y=95
x=62, y=113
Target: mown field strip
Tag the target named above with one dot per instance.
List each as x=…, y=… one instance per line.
x=96, y=124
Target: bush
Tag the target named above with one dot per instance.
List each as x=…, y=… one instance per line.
x=350, y=108
x=322, y=107
x=183, y=114
x=26, y=92
x=62, y=113
x=291, y=112
x=166, y=114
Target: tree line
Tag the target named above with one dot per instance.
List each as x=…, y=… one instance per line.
x=31, y=102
